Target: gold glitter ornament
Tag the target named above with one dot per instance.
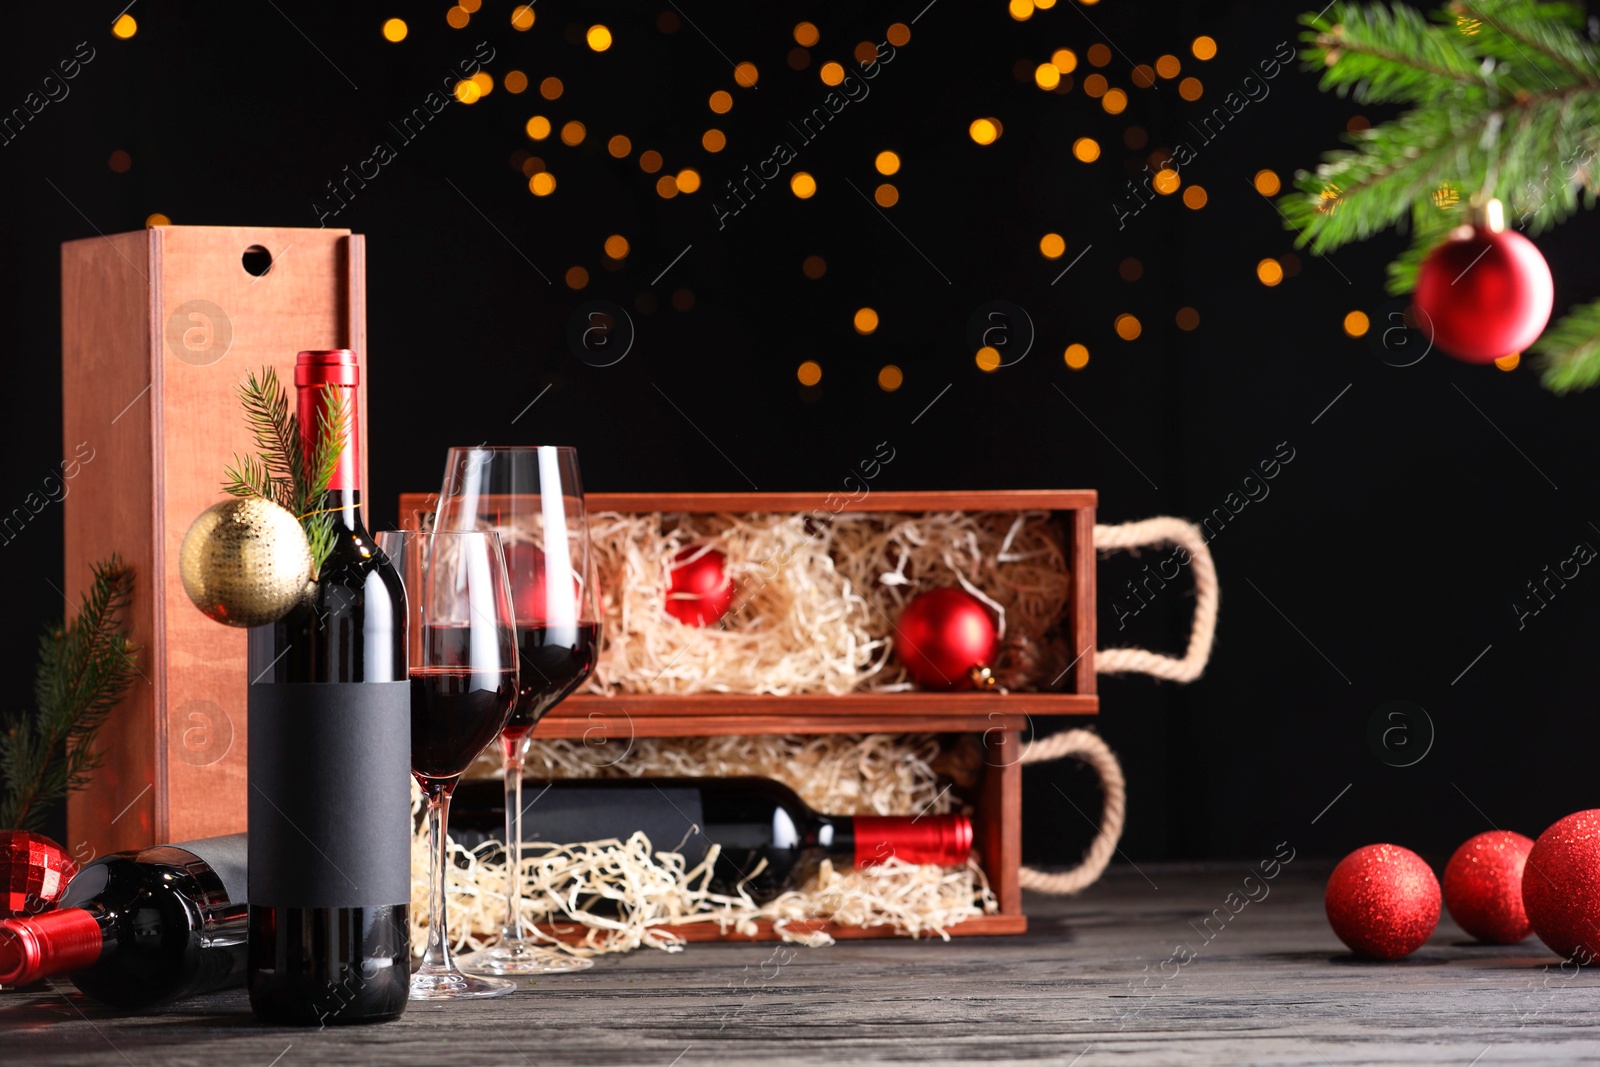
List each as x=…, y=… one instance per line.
x=245, y=562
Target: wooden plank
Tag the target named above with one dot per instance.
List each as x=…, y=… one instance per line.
x=1083, y=563
x=998, y=829
x=802, y=503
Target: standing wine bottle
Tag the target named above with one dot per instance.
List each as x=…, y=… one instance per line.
x=771, y=840
x=330, y=767
x=140, y=928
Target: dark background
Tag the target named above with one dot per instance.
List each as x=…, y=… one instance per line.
x=1384, y=560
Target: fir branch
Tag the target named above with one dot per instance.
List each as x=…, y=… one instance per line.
x=248, y=476
x=1569, y=351
x=85, y=666
x=1380, y=54
x=1537, y=33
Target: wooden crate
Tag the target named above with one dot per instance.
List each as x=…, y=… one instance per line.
x=158, y=327
x=998, y=717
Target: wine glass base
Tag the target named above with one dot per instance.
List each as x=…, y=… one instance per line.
x=523, y=959
x=454, y=985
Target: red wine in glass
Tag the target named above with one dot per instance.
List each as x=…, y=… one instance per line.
x=454, y=715
x=555, y=659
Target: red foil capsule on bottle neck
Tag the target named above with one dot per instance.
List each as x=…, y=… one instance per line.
x=315, y=371
x=944, y=840
x=57, y=942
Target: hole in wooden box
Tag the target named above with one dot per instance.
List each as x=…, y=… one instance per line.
x=256, y=260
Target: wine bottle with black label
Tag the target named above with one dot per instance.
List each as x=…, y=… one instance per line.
x=140, y=928
x=330, y=767
x=770, y=840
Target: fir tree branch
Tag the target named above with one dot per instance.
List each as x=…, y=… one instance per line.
x=1569, y=351
x=85, y=666
x=1544, y=27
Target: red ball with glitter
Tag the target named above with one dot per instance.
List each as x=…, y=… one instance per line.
x=1561, y=886
x=34, y=872
x=699, y=590
x=1483, y=886
x=942, y=636
x=1383, y=901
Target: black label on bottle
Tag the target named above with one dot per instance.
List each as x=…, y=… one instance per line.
x=330, y=795
x=228, y=859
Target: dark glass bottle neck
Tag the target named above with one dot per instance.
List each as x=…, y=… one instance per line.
x=836, y=835
x=345, y=506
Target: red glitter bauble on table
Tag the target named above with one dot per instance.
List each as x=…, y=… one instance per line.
x=699, y=590
x=1483, y=886
x=1383, y=901
x=34, y=872
x=943, y=636
x=1561, y=886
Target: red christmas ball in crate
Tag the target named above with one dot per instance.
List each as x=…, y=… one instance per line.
x=34, y=872
x=525, y=568
x=943, y=636
x=699, y=590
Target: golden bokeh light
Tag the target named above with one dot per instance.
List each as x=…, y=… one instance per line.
x=865, y=321
x=157, y=219
x=890, y=378
x=617, y=246
x=1086, y=149
x=1356, y=324
x=1144, y=76
x=984, y=131
x=1167, y=181
x=516, y=81
x=1269, y=272
x=1446, y=197
x=1076, y=356
x=650, y=161
x=831, y=73
x=1052, y=246
x=1203, y=48
x=809, y=372
x=721, y=101
x=1509, y=362
x=573, y=133
x=522, y=17
x=1021, y=10
x=1099, y=55
x=1187, y=319
x=988, y=359
x=1266, y=183
x=1190, y=88
x=1046, y=76
x=394, y=30
x=887, y=163
x=470, y=6
x=1130, y=269
x=713, y=140
x=538, y=127
x=746, y=74
x=484, y=82
x=803, y=185
x=814, y=267
x=120, y=162
x=619, y=146
x=1128, y=327
x=551, y=88
x=1168, y=66
x=688, y=180
x=542, y=184
x=1357, y=123
x=865, y=52
x=1064, y=60
x=1115, y=101
x=666, y=187
x=124, y=27
x=577, y=277
x=598, y=38
x=899, y=34
x=1194, y=197
x=458, y=17
x=805, y=34
x=468, y=92
x=1096, y=85
x=886, y=195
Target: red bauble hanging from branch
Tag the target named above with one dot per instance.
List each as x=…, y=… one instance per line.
x=946, y=639
x=1486, y=292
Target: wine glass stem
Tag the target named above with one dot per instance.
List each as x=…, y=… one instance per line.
x=437, y=957
x=516, y=752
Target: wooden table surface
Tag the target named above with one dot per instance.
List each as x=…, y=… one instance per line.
x=1096, y=981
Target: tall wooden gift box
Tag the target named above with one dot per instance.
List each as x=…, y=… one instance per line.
x=158, y=328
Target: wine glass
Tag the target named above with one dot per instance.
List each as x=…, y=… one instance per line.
x=533, y=498
x=462, y=662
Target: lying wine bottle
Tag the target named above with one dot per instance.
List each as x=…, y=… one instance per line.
x=140, y=928
x=330, y=767
x=753, y=819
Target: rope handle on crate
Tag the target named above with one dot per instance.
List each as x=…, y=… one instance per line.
x=1087, y=745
